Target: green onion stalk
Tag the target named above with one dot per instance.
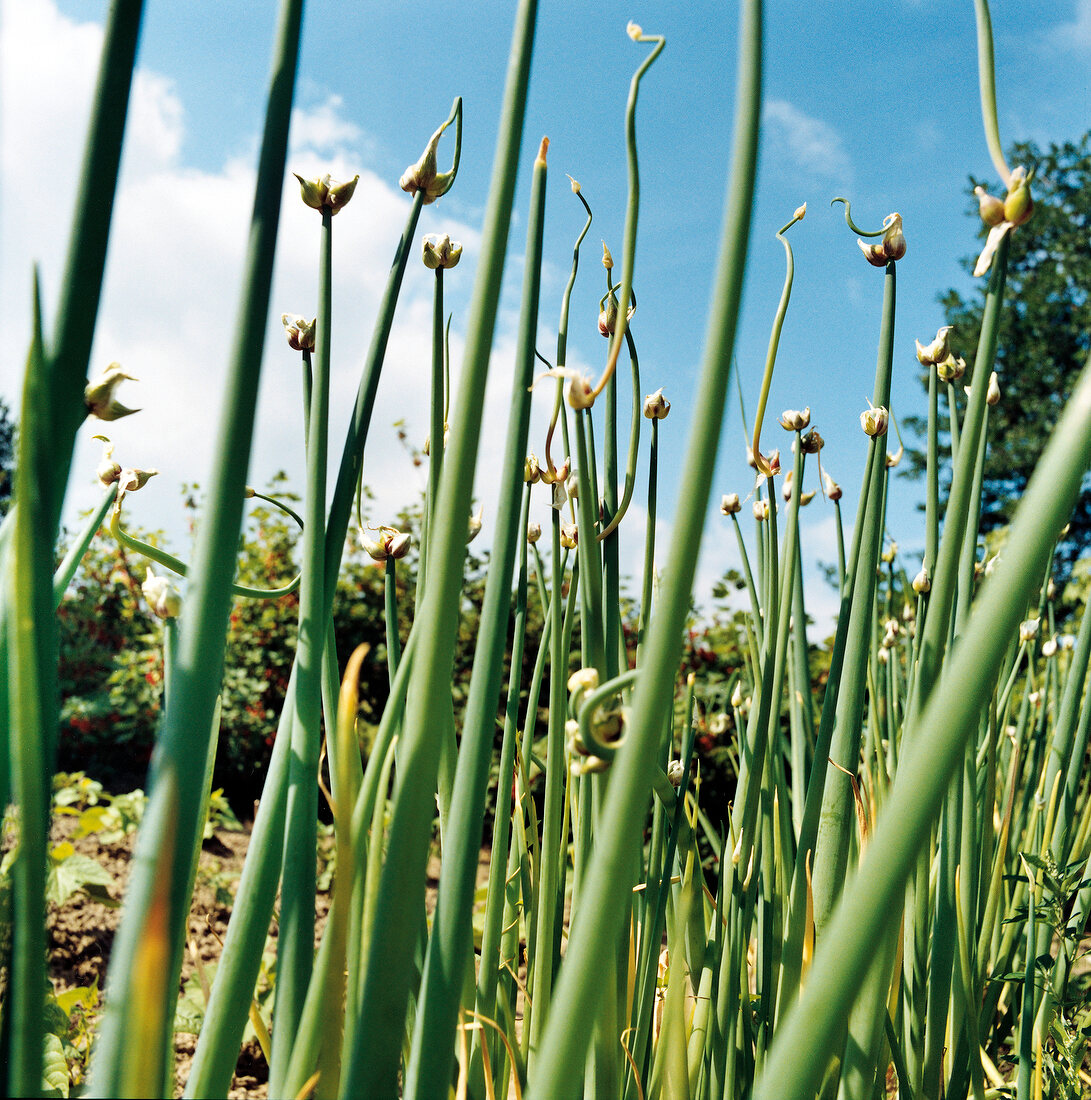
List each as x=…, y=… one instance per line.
x=450, y=946
x=295, y=940
x=152, y=934
x=379, y=1028
x=55, y=408
x=609, y=881
x=836, y=819
x=929, y=760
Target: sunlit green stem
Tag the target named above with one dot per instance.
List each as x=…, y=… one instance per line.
x=986, y=70
x=929, y=761
x=837, y=816
x=774, y=343
x=295, y=941
x=450, y=947
x=393, y=639
x=379, y=1029
x=632, y=208
x=609, y=879
x=67, y=569
x=170, y=828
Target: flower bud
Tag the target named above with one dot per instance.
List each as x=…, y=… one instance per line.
x=299, y=331
x=761, y=509
x=937, y=350
x=922, y=582
x=656, y=406
x=441, y=252
x=581, y=394
x=99, y=398
x=990, y=207
x=162, y=596
x=108, y=471
x=583, y=680
x=1018, y=205
x=874, y=420
x=132, y=479
x=634, y=30
x=892, y=460
x=534, y=532
x=833, y=490
x=1049, y=647
x=325, y=195
x=398, y=543
x=675, y=773
x=474, y=526
x=532, y=472
x=951, y=369
x=391, y=543
x=607, y=260
x=792, y=420
x=730, y=505
x=1028, y=629
x=890, y=553
x=812, y=442
x=425, y=175
x=890, y=247
x=569, y=535
x=718, y=724
x=572, y=486
x=736, y=695
x=993, y=396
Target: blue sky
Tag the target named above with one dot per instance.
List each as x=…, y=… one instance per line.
x=877, y=102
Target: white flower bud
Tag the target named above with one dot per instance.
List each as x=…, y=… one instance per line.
x=162, y=596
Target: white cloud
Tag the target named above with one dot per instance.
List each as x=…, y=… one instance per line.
x=176, y=257
x=809, y=143
x=1075, y=34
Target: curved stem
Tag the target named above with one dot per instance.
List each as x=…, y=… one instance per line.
x=986, y=76
x=175, y=565
x=67, y=569
x=774, y=342
x=852, y=225
x=628, y=248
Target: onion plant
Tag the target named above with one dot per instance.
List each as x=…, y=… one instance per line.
x=897, y=892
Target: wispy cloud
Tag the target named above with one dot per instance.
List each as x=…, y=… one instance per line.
x=809, y=143
x=1074, y=33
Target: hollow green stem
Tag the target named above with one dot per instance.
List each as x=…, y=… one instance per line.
x=632, y=209
x=774, y=342
x=67, y=569
x=380, y=1025
x=170, y=827
x=451, y=944
x=929, y=760
x=609, y=878
x=986, y=72
x=176, y=565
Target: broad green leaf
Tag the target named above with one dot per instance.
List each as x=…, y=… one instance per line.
x=55, y=1080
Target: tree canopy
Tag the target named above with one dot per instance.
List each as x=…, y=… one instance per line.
x=1045, y=332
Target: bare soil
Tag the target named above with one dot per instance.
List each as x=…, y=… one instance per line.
x=82, y=934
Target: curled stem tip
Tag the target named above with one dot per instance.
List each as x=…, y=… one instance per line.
x=852, y=225
x=760, y=460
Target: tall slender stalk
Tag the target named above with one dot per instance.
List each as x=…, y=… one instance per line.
x=170, y=831
x=381, y=1022
x=610, y=875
